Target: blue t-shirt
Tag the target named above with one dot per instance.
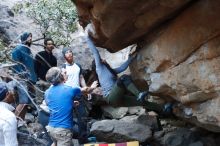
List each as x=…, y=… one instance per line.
x=22, y=54
x=60, y=102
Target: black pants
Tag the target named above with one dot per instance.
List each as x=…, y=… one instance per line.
x=43, y=118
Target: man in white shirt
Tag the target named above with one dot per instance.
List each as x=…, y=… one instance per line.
x=73, y=70
x=8, y=121
x=75, y=78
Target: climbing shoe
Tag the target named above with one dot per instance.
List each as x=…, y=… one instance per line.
x=167, y=110
x=187, y=112
x=92, y=139
x=142, y=95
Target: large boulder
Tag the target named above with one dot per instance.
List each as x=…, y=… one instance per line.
x=180, y=137
x=119, y=23
x=13, y=24
x=5, y=24
x=128, y=128
x=120, y=112
x=182, y=63
x=179, y=49
x=114, y=113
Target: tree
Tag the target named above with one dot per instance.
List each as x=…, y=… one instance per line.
x=56, y=18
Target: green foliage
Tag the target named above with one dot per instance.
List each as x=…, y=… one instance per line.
x=56, y=18
x=17, y=7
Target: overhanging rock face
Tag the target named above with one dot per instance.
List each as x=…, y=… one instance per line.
x=180, y=48
x=119, y=23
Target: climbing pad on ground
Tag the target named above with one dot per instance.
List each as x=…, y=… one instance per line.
x=133, y=143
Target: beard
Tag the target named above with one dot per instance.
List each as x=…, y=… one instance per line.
x=69, y=60
x=28, y=43
x=50, y=49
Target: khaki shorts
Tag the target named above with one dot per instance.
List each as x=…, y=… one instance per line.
x=60, y=136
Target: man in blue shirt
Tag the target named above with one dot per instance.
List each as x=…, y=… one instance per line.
x=60, y=100
x=22, y=55
x=25, y=69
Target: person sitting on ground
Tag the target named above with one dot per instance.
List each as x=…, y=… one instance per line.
x=8, y=121
x=114, y=88
x=59, y=98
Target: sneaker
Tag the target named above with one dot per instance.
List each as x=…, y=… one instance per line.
x=142, y=95
x=92, y=139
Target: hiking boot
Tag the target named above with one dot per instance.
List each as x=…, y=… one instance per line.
x=142, y=95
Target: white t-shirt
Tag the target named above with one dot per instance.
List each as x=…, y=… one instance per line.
x=8, y=125
x=73, y=72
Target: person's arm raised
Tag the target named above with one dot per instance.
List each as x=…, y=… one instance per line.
x=95, y=52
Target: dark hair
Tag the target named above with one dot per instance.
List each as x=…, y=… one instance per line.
x=24, y=37
x=46, y=40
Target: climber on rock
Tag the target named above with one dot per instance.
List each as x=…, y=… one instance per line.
x=114, y=88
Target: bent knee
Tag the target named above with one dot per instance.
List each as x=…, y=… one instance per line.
x=125, y=79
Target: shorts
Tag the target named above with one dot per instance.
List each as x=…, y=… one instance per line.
x=60, y=136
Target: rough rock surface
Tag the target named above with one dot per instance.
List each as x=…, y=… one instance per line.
x=180, y=137
x=179, y=55
x=12, y=25
x=120, y=112
x=126, y=129
x=114, y=113
x=119, y=23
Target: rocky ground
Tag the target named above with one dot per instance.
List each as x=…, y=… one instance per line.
x=130, y=124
